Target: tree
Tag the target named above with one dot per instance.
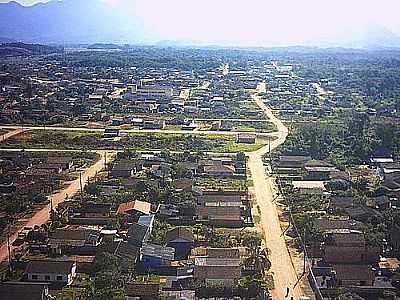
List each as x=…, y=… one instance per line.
x=181, y=170
x=258, y=260
x=106, y=262
x=92, y=189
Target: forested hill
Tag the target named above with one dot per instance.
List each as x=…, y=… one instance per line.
x=27, y=49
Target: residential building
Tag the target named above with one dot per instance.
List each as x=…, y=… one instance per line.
x=181, y=239
x=24, y=291
x=246, y=138
x=51, y=271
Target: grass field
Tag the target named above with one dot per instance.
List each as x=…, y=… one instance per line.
x=136, y=141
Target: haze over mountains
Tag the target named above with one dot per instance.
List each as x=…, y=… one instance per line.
x=98, y=21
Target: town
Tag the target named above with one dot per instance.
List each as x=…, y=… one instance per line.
x=180, y=173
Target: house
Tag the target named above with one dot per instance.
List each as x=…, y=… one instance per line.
x=134, y=208
x=246, y=138
x=154, y=124
x=223, y=216
x=181, y=239
x=162, y=170
x=349, y=247
x=220, y=199
x=215, y=168
x=184, y=185
x=51, y=271
x=362, y=214
x=354, y=275
x=220, y=267
x=381, y=202
x=292, y=161
x=147, y=220
x=7, y=188
x=96, y=210
x=375, y=161
x=388, y=168
x=392, y=181
x=142, y=291
x=126, y=168
x=130, y=183
x=319, y=172
x=223, y=252
x=127, y=253
x=138, y=234
x=24, y=291
x=178, y=272
x=336, y=202
x=65, y=162
x=329, y=225
x=51, y=168
x=347, y=239
x=153, y=256
x=309, y=187
x=389, y=265
x=178, y=295
x=351, y=255
x=68, y=238
x=111, y=133
x=219, y=170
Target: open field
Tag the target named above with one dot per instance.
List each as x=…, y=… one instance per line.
x=137, y=141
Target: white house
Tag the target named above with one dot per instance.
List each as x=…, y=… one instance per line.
x=51, y=271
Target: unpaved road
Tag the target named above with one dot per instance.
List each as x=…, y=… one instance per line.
x=43, y=215
x=283, y=270
x=12, y=133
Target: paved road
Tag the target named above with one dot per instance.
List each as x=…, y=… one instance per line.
x=12, y=133
x=82, y=129
x=284, y=272
x=42, y=216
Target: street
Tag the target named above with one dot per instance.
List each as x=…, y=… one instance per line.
x=43, y=215
x=283, y=270
x=12, y=133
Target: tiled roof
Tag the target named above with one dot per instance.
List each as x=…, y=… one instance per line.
x=49, y=266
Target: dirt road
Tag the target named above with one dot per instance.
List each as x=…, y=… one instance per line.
x=283, y=270
x=12, y=133
x=42, y=216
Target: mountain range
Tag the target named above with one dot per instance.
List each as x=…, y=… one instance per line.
x=94, y=21
x=68, y=21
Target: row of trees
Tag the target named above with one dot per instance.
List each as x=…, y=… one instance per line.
x=352, y=142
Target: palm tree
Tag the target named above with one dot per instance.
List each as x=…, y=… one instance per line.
x=258, y=260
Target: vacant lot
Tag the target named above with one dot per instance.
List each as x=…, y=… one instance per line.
x=135, y=141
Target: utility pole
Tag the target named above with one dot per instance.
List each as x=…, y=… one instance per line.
x=80, y=183
x=304, y=252
x=51, y=204
x=9, y=249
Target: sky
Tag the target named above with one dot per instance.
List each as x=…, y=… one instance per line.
x=277, y=22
